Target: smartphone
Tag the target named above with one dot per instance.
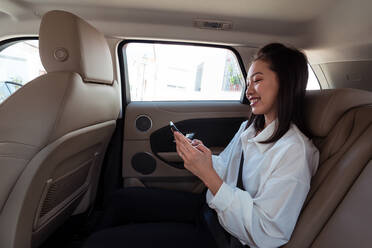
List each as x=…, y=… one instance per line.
x=173, y=127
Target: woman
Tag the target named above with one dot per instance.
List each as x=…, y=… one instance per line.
x=279, y=159
x=257, y=185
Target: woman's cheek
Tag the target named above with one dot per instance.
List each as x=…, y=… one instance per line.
x=258, y=87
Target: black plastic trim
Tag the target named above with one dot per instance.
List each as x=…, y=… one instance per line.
x=8, y=42
x=216, y=132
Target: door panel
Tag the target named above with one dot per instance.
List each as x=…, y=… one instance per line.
x=150, y=156
x=214, y=132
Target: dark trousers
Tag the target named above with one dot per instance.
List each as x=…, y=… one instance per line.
x=138, y=217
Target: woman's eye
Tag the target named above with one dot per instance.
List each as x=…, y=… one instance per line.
x=257, y=80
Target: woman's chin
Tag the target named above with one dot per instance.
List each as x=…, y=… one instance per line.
x=256, y=111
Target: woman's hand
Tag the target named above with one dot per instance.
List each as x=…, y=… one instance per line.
x=196, y=142
x=198, y=160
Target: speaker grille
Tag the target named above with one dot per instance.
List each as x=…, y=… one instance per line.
x=143, y=163
x=143, y=123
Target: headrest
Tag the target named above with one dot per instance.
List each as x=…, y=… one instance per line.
x=68, y=43
x=323, y=108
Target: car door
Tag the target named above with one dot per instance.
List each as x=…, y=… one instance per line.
x=149, y=152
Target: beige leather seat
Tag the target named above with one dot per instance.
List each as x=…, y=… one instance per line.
x=54, y=132
x=338, y=210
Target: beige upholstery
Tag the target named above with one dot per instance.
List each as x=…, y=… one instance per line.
x=341, y=120
x=350, y=225
x=86, y=50
x=325, y=108
x=54, y=132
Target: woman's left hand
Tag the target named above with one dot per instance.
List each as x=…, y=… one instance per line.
x=197, y=158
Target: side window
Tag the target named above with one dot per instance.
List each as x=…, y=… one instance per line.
x=312, y=82
x=178, y=72
x=19, y=64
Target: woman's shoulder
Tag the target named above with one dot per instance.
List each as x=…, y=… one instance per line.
x=300, y=146
x=296, y=138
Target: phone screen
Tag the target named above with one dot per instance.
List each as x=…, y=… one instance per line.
x=173, y=127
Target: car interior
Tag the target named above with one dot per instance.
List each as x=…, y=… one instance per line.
x=88, y=88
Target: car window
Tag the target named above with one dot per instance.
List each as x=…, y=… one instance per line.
x=19, y=64
x=312, y=82
x=178, y=72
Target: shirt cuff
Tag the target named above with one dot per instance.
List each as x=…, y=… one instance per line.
x=222, y=199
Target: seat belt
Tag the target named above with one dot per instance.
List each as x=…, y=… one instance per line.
x=234, y=242
x=222, y=237
x=239, y=182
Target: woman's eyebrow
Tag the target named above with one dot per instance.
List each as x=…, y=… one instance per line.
x=256, y=74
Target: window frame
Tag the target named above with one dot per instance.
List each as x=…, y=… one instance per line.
x=124, y=72
x=11, y=41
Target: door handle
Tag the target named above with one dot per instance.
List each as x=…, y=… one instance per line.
x=173, y=156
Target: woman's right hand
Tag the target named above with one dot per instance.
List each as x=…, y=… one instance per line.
x=198, y=160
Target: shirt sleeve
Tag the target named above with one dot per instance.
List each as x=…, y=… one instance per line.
x=268, y=218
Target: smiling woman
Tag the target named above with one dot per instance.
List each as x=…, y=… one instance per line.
x=276, y=87
x=262, y=91
x=260, y=204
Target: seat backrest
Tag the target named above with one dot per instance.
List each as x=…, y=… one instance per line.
x=341, y=122
x=54, y=132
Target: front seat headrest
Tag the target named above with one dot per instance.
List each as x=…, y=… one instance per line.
x=68, y=43
x=323, y=108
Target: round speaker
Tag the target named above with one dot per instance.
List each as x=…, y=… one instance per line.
x=143, y=163
x=143, y=123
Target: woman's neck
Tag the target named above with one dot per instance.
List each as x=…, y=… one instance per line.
x=268, y=120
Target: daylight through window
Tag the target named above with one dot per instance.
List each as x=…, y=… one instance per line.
x=169, y=72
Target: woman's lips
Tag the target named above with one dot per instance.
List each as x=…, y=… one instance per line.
x=253, y=101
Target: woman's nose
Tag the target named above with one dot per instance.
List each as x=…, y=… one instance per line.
x=249, y=90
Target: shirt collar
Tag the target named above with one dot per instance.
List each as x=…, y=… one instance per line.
x=249, y=136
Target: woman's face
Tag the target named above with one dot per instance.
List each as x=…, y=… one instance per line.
x=262, y=90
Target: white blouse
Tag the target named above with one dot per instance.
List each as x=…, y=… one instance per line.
x=276, y=179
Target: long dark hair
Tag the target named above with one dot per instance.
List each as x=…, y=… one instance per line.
x=290, y=66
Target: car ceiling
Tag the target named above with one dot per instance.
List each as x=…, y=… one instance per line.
x=329, y=30
x=268, y=9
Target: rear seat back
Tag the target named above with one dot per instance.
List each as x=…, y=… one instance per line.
x=350, y=225
x=341, y=122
